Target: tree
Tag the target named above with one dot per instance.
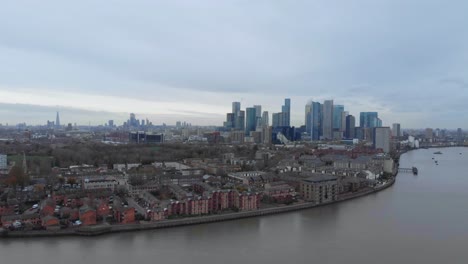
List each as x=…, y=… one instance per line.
x=71, y=181
x=19, y=176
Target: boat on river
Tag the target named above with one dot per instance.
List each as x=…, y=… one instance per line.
x=438, y=152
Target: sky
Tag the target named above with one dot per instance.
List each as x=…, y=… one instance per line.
x=188, y=60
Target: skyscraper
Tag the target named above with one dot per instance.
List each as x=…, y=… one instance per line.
x=236, y=107
x=258, y=115
x=327, y=117
x=350, y=127
x=369, y=119
x=286, y=109
x=313, y=120
x=240, y=121
x=337, y=112
x=265, y=119
x=344, y=114
x=251, y=120
x=381, y=138
x=396, y=130
x=57, y=120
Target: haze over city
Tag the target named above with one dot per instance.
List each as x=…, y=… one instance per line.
x=189, y=61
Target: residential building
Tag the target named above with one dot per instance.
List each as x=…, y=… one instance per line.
x=381, y=138
x=320, y=188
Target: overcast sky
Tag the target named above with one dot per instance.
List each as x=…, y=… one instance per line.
x=188, y=60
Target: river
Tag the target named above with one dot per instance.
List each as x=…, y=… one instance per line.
x=421, y=219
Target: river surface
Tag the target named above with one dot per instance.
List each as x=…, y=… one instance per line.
x=421, y=219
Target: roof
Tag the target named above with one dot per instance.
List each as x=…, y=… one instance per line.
x=321, y=178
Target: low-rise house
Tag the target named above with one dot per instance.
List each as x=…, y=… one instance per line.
x=124, y=215
x=102, y=209
x=50, y=222
x=47, y=206
x=71, y=214
x=25, y=219
x=88, y=215
x=279, y=191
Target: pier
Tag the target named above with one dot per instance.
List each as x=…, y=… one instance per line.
x=413, y=170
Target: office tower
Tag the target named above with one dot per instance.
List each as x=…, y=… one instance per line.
x=57, y=120
x=258, y=115
x=344, y=114
x=258, y=110
x=276, y=119
x=265, y=119
x=286, y=109
x=381, y=139
x=460, y=136
x=230, y=121
x=111, y=123
x=240, y=121
x=337, y=112
x=350, y=127
x=378, y=122
x=267, y=134
x=327, y=117
x=236, y=107
x=313, y=122
x=396, y=130
x=251, y=120
x=369, y=119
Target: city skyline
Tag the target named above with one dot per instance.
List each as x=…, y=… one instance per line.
x=395, y=58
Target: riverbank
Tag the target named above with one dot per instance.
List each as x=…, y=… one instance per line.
x=106, y=229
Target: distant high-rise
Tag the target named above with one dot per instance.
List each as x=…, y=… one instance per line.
x=396, y=130
x=236, y=107
x=344, y=114
x=265, y=119
x=381, y=138
x=111, y=123
x=283, y=118
x=57, y=120
x=429, y=134
x=251, y=120
x=286, y=109
x=369, y=119
x=337, y=112
x=350, y=127
x=327, y=117
x=240, y=121
x=313, y=120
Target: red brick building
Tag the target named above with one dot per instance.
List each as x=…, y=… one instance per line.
x=124, y=215
x=87, y=215
x=50, y=221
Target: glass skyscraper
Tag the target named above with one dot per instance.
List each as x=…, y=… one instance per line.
x=251, y=120
x=327, y=117
x=337, y=115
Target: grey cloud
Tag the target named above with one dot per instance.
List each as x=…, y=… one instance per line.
x=401, y=55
